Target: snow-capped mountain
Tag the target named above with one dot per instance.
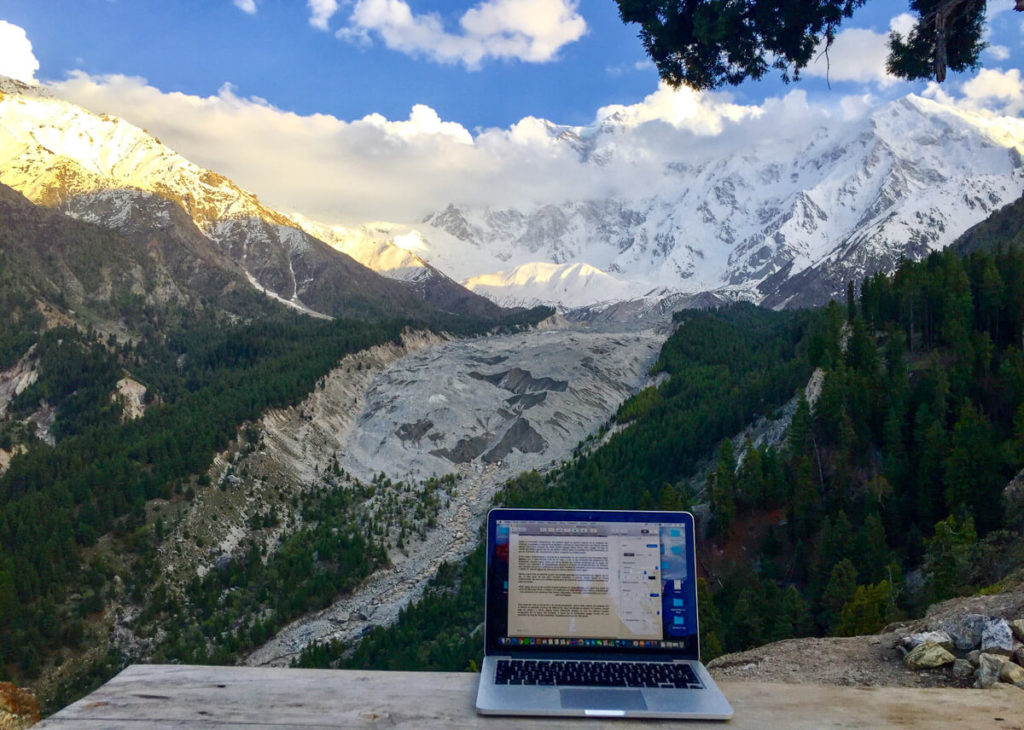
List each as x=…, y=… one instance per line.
x=785, y=222
x=573, y=285
x=782, y=217
x=104, y=170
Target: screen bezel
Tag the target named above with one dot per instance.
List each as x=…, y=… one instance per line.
x=491, y=640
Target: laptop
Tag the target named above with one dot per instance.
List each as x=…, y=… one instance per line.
x=593, y=613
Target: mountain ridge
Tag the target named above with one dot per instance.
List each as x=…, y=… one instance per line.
x=103, y=169
x=785, y=223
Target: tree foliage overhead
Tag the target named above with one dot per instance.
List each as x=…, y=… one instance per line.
x=706, y=44
x=946, y=36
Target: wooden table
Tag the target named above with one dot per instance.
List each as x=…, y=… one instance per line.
x=172, y=696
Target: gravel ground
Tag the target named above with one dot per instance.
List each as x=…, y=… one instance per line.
x=860, y=661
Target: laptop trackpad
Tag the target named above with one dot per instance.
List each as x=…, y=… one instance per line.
x=603, y=699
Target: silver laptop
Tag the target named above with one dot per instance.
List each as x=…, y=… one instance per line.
x=593, y=613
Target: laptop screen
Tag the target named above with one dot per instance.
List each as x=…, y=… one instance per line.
x=585, y=581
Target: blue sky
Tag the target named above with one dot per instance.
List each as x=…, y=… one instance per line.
x=320, y=78
x=276, y=53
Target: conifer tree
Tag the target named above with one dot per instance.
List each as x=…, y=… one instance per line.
x=710, y=622
x=841, y=587
x=867, y=611
x=722, y=487
x=708, y=43
x=947, y=553
x=750, y=487
x=872, y=552
x=971, y=470
x=748, y=625
x=797, y=617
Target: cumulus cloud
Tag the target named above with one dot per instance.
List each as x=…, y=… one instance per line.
x=374, y=168
x=991, y=92
x=683, y=108
x=16, y=57
x=859, y=54
x=525, y=30
x=246, y=6
x=321, y=12
x=327, y=168
x=1001, y=92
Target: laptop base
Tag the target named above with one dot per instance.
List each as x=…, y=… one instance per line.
x=707, y=703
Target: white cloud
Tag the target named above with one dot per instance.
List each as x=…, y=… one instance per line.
x=321, y=12
x=999, y=53
x=246, y=6
x=997, y=91
x=903, y=23
x=350, y=172
x=700, y=113
x=374, y=168
x=859, y=54
x=327, y=168
x=16, y=57
x=618, y=71
x=991, y=92
x=422, y=121
x=526, y=30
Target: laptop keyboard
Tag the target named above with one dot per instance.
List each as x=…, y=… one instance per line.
x=544, y=672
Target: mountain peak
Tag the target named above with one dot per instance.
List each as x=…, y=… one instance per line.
x=14, y=86
x=108, y=171
x=788, y=221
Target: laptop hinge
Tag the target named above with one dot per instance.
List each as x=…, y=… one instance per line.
x=600, y=657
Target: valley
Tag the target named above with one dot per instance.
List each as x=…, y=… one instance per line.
x=481, y=410
x=232, y=434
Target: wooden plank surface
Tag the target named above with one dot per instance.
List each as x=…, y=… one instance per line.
x=171, y=696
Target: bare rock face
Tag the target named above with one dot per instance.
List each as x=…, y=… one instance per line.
x=963, y=669
x=1012, y=674
x=966, y=631
x=937, y=637
x=989, y=669
x=484, y=409
x=516, y=402
x=996, y=637
x=18, y=708
x=928, y=655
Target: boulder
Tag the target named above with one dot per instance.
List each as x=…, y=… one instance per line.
x=1018, y=656
x=974, y=657
x=928, y=655
x=996, y=637
x=962, y=669
x=938, y=637
x=18, y=708
x=1012, y=674
x=1017, y=627
x=988, y=670
x=966, y=630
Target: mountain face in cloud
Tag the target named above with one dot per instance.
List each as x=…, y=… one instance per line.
x=684, y=192
x=786, y=216
x=373, y=169
x=692, y=192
